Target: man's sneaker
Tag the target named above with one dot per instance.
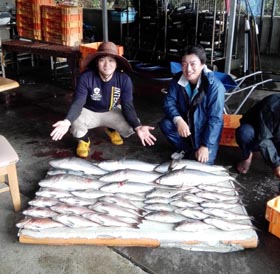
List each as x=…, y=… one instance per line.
x=178, y=155
x=83, y=149
x=114, y=136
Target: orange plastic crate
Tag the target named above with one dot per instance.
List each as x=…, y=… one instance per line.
x=272, y=214
x=37, y=2
x=30, y=34
x=71, y=41
x=62, y=31
x=231, y=122
x=50, y=24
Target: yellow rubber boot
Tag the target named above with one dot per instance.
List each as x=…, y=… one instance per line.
x=114, y=136
x=83, y=149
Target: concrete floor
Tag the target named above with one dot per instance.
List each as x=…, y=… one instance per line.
x=27, y=123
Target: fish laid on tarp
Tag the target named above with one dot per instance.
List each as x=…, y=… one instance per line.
x=78, y=201
x=90, y=193
x=159, y=207
x=78, y=164
x=220, y=204
x=217, y=196
x=192, y=198
x=43, y=202
x=217, y=188
x=192, y=226
x=119, y=201
x=225, y=214
x=113, y=165
x=54, y=171
x=70, y=209
x=39, y=212
x=74, y=221
x=163, y=192
x=192, y=164
x=192, y=213
x=164, y=217
x=154, y=200
x=188, y=164
x=69, y=182
x=133, y=175
x=115, y=210
x=184, y=204
x=53, y=193
x=38, y=223
x=190, y=177
x=126, y=187
x=107, y=220
x=134, y=197
x=227, y=225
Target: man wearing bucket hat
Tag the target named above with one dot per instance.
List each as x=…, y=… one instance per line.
x=103, y=98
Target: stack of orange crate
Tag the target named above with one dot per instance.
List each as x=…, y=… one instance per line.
x=62, y=25
x=28, y=18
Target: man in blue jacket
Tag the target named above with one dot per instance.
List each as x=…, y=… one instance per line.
x=194, y=109
x=260, y=131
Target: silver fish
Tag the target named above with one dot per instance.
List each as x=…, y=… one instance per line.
x=70, y=209
x=227, y=225
x=217, y=196
x=115, y=210
x=163, y=192
x=190, y=178
x=217, y=188
x=225, y=214
x=74, y=221
x=155, y=200
x=53, y=193
x=43, y=202
x=38, y=223
x=78, y=201
x=192, y=164
x=164, y=217
x=39, y=212
x=193, y=198
x=75, y=163
x=90, y=193
x=126, y=187
x=184, y=204
x=159, y=207
x=113, y=165
x=69, y=182
x=192, y=213
x=163, y=167
x=220, y=204
x=130, y=175
x=55, y=171
x=106, y=220
x=192, y=226
x=136, y=197
x=119, y=201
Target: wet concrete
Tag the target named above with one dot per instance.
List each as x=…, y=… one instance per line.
x=27, y=123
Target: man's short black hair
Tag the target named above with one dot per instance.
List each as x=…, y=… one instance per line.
x=198, y=50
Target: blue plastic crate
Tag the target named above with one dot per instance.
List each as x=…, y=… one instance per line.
x=121, y=16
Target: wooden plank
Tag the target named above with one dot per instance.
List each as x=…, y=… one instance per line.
x=103, y=242
x=7, y=84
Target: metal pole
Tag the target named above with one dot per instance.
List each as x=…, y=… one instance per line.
x=105, y=20
x=230, y=36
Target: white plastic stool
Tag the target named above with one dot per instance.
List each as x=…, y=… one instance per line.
x=8, y=160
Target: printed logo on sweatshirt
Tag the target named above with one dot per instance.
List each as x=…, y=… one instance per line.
x=96, y=95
